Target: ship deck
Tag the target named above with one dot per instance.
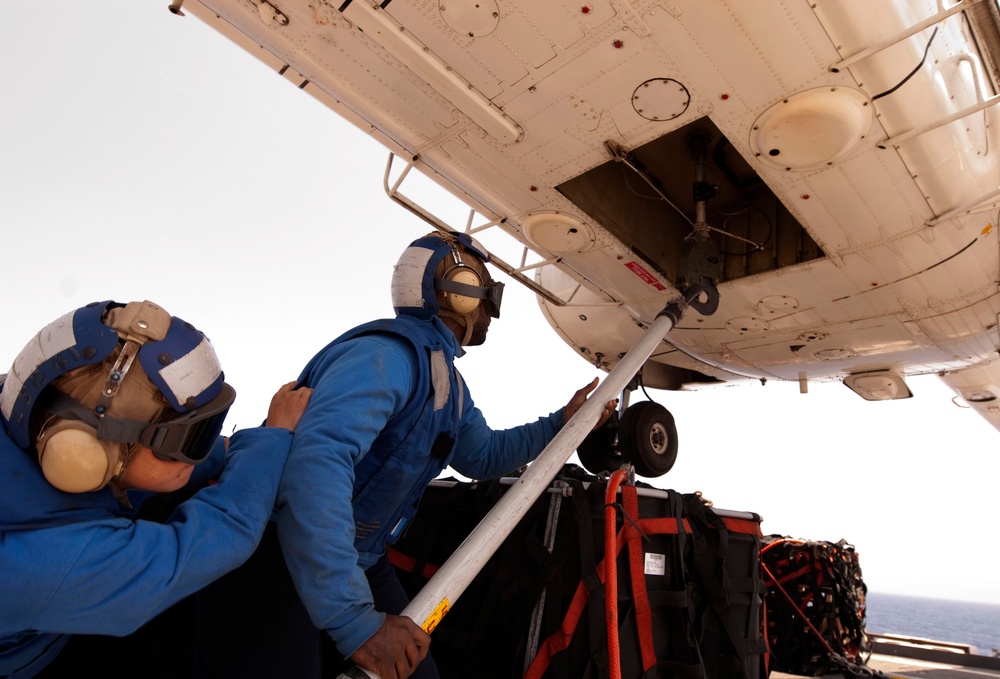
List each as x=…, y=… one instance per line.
x=897, y=657
x=902, y=668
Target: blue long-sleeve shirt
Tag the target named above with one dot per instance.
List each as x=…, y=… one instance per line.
x=79, y=563
x=362, y=389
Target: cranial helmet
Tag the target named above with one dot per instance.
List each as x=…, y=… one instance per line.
x=445, y=274
x=94, y=385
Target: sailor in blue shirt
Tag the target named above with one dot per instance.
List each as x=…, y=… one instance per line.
x=389, y=411
x=104, y=407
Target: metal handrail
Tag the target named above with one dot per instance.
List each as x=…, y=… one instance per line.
x=514, y=272
x=899, y=37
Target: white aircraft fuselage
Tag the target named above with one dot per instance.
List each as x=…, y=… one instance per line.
x=837, y=159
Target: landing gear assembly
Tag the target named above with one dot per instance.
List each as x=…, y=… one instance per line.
x=648, y=438
x=644, y=436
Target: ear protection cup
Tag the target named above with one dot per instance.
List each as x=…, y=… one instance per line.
x=461, y=304
x=74, y=460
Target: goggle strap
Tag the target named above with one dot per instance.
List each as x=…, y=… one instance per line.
x=475, y=291
x=108, y=428
x=115, y=429
x=61, y=405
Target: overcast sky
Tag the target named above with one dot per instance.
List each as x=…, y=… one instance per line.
x=142, y=156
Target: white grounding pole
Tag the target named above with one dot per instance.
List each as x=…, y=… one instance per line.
x=431, y=604
x=433, y=601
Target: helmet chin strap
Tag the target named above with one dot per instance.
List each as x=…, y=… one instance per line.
x=465, y=320
x=131, y=451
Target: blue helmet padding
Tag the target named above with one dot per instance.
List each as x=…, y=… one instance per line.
x=441, y=249
x=94, y=342
x=181, y=339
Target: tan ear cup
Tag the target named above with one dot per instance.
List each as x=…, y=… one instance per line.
x=461, y=304
x=74, y=460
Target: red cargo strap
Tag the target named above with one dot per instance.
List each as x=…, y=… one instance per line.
x=410, y=565
x=643, y=612
x=610, y=574
x=560, y=639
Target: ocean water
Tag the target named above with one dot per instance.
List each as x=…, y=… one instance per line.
x=955, y=621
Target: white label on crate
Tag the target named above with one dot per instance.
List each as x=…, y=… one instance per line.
x=655, y=564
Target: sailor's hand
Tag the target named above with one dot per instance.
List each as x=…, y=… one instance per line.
x=287, y=406
x=395, y=650
x=580, y=397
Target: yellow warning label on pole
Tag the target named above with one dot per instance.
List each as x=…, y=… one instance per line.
x=435, y=617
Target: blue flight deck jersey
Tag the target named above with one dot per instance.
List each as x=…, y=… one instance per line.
x=77, y=563
x=388, y=412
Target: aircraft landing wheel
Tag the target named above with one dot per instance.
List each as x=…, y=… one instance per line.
x=597, y=451
x=647, y=438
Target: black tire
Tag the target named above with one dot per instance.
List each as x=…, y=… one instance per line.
x=597, y=451
x=647, y=438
